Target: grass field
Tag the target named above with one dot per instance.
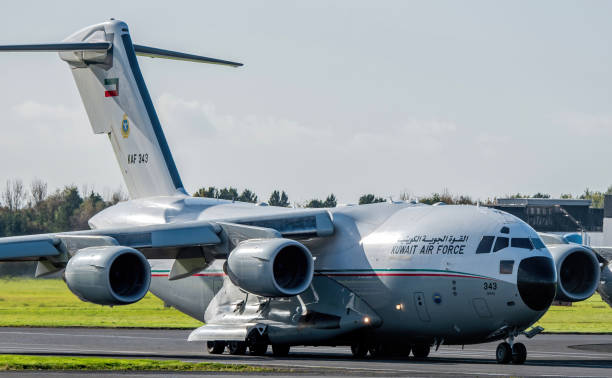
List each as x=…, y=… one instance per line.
x=17, y=362
x=49, y=303
x=592, y=315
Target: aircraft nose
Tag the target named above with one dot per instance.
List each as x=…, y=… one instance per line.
x=537, y=282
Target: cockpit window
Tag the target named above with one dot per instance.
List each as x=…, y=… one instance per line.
x=500, y=244
x=524, y=243
x=538, y=243
x=505, y=230
x=485, y=244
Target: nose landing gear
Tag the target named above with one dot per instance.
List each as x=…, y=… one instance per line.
x=511, y=352
x=519, y=353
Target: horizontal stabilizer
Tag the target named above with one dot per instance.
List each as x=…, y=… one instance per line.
x=153, y=52
x=61, y=46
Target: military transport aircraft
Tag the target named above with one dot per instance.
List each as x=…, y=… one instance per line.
x=395, y=277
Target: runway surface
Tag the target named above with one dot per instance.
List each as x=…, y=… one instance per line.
x=548, y=355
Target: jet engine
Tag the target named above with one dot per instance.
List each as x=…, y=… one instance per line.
x=108, y=275
x=271, y=267
x=577, y=271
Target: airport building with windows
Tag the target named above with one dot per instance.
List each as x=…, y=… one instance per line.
x=555, y=215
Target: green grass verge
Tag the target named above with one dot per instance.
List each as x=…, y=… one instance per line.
x=18, y=362
x=591, y=316
x=49, y=303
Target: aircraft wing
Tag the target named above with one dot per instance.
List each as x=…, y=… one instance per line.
x=192, y=244
x=155, y=237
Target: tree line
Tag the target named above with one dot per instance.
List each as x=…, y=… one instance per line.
x=32, y=209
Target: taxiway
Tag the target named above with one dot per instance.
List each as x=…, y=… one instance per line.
x=548, y=355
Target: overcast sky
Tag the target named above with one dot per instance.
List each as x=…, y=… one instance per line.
x=483, y=98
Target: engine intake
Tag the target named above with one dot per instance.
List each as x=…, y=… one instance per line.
x=109, y=275
x=577, y=271
x=271, y=267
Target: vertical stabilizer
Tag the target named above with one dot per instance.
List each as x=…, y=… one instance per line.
x=118, y=104
x=103, y=62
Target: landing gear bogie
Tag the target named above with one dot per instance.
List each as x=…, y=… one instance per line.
x=215, y=347
x=280, y=350
x=236, y=348
x=421, y=351
x=379, y=350
x=519, y=353
x=258, y=349
x=503, y=353
x=359, y=350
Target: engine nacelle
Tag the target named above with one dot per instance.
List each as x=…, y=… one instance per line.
x=271, y=267
x=108, y=275
x=577, y=271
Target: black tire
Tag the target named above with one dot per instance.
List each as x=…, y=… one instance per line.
x=359, y=350
x=378, y=351
x=519, y=353
x=420, y=351
x=503, y=354
x=236, y=348
x=280, y=350
x=215, y=347
x=258, y=349
x=401, y=350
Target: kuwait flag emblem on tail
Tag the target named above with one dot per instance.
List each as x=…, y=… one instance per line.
x=111, y=87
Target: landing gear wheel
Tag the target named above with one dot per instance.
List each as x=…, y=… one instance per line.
x=420, y=351
x=237, y=347
x=359, y=350
x=258, y=349
x=401, y=350
x=215, y=347
x=280, y=350
x=503, y=354
x=519, y=353
x=378, y=350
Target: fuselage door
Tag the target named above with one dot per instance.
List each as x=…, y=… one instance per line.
x=421, y=306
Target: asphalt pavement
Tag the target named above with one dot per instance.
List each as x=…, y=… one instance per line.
x=548, y=355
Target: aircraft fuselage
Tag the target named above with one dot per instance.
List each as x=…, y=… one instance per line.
x=414, y=266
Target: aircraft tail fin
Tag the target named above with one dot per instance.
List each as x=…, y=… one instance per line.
x=103, y=62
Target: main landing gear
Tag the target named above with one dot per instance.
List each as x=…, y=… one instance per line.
x=215, y=347
x=511, y=352
x=256, y=347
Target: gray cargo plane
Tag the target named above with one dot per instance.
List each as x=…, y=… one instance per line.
x=395, y=277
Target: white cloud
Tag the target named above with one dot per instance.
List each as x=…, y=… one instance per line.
x=490, y=145
x=55, y=143
x=264, y=151
x=203, y=121
x=32, y=110
x=585, y=124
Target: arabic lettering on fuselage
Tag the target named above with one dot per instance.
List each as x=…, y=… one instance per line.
x=431, y=245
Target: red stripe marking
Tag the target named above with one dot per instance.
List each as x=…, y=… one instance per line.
x=356, y=275
x=111, y=93
x=197, y=275
x=399, y=275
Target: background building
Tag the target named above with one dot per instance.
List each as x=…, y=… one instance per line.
x=556, y=215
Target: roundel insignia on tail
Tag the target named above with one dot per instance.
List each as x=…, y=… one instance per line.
x=125, y=126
